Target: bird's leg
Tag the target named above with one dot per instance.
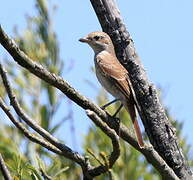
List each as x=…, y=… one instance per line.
x=106, y=105
x=117, y=111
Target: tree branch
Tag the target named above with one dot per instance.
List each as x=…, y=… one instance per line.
x=148, y=151
x=67, y=152
x=4, y=170
x=24, y=130
x=21, y=58
x=115, y=142
x=95, y=171
x=51, y=139
x=157, y=126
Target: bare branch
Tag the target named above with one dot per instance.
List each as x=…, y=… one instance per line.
x=51, y=139
x=115, y=142
x=24, y=130
x=159, y=130
x=148, y=151
x=83, y=162
x=4, y=170
x=22, y=59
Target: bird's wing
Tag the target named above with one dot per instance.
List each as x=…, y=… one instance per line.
x=111, y=68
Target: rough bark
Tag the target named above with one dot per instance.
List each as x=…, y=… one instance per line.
x=157, y=126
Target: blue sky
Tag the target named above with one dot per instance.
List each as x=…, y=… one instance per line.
x=163, y=34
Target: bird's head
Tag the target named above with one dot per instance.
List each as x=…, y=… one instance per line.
x=98, y=41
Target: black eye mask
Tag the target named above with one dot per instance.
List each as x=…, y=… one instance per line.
x=97, y=38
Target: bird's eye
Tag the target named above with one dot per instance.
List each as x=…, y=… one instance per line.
x=97, y=38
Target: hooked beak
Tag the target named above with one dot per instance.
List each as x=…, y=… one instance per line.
x=84, y=40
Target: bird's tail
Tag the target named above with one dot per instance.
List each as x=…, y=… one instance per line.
x=130, y=107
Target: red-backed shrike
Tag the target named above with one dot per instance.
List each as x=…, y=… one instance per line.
x=112, y=75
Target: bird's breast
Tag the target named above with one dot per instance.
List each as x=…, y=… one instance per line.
x=107, y=82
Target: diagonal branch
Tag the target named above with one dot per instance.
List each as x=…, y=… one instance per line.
x=158, y=128
x=66, y=150
x=25, y=131
x=4, y=170
x=51, y=139
x=21, y=58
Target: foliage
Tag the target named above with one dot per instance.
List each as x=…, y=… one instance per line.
x=39, y=100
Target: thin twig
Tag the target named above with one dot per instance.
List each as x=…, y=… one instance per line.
x=38, y=70
x=114, y=139
x=25, y=131
x=51, y=139
x=4, y=170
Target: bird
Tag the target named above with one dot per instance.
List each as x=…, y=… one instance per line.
x=112, y=75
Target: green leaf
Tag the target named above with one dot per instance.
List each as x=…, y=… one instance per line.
x=51, y=95
x=34, y=173
x=44, y=117
x=61, y=171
